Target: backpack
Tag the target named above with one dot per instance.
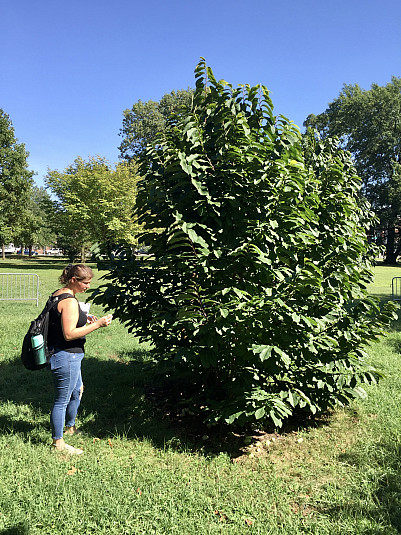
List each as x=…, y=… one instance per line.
x=40, y=325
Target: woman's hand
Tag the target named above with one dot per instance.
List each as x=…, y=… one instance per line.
x=105, y=321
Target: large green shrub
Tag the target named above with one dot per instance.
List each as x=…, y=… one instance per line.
x=254, y=292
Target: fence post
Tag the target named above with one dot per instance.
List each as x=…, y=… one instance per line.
x=396, y=289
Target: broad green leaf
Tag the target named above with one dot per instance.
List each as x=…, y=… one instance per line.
x=292, y=398
x=259, y=413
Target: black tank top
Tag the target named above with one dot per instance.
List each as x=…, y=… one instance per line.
x=55, y=336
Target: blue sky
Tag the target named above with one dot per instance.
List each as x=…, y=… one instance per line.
x=68, y=70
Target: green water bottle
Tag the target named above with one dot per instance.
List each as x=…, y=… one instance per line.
x=39, y=354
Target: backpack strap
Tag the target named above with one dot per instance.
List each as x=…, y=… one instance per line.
x=53, y=301
x=63, y=296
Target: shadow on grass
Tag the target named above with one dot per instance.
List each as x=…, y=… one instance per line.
x=389, y=492
x=19, y=529
x=27, y=263
x=118, y=401
x=113, y=402
x=385, y=474
x=122, y=398
x=381, y=263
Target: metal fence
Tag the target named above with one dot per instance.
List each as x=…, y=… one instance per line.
x=396, y=289
x=19, y=287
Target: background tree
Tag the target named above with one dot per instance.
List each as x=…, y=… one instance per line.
x=37, y=229
x=15, y=183
x=145, y=120
x=254, y=294
x=43, y=211
x=368, y=123
x=94, y=203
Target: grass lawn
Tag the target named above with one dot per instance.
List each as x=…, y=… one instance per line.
x=142, y=473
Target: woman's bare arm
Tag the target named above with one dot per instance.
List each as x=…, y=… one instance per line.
x=69, y=309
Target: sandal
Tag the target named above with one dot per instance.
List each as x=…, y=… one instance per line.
x=68, y=449
x=72, y=431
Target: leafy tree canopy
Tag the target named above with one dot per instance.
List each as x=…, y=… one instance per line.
x=368, y=123
x=15, y=182
x=253, y=295
x=145, y=120
x=94, y=203
x=37, y=230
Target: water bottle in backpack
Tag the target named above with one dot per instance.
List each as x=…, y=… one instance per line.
x=38, y=346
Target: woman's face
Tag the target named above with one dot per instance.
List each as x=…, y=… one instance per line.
x=81, y=285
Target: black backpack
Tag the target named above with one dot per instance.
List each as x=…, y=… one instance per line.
x=40, y=325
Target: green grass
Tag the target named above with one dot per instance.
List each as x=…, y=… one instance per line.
x=383, y=277
x=143, y=474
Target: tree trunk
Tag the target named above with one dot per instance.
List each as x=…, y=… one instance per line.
x=3, y=253
x=391, y=257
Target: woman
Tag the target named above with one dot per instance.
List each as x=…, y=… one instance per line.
x=68, y=327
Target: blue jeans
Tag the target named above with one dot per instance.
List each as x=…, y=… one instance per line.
x=67, y=378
